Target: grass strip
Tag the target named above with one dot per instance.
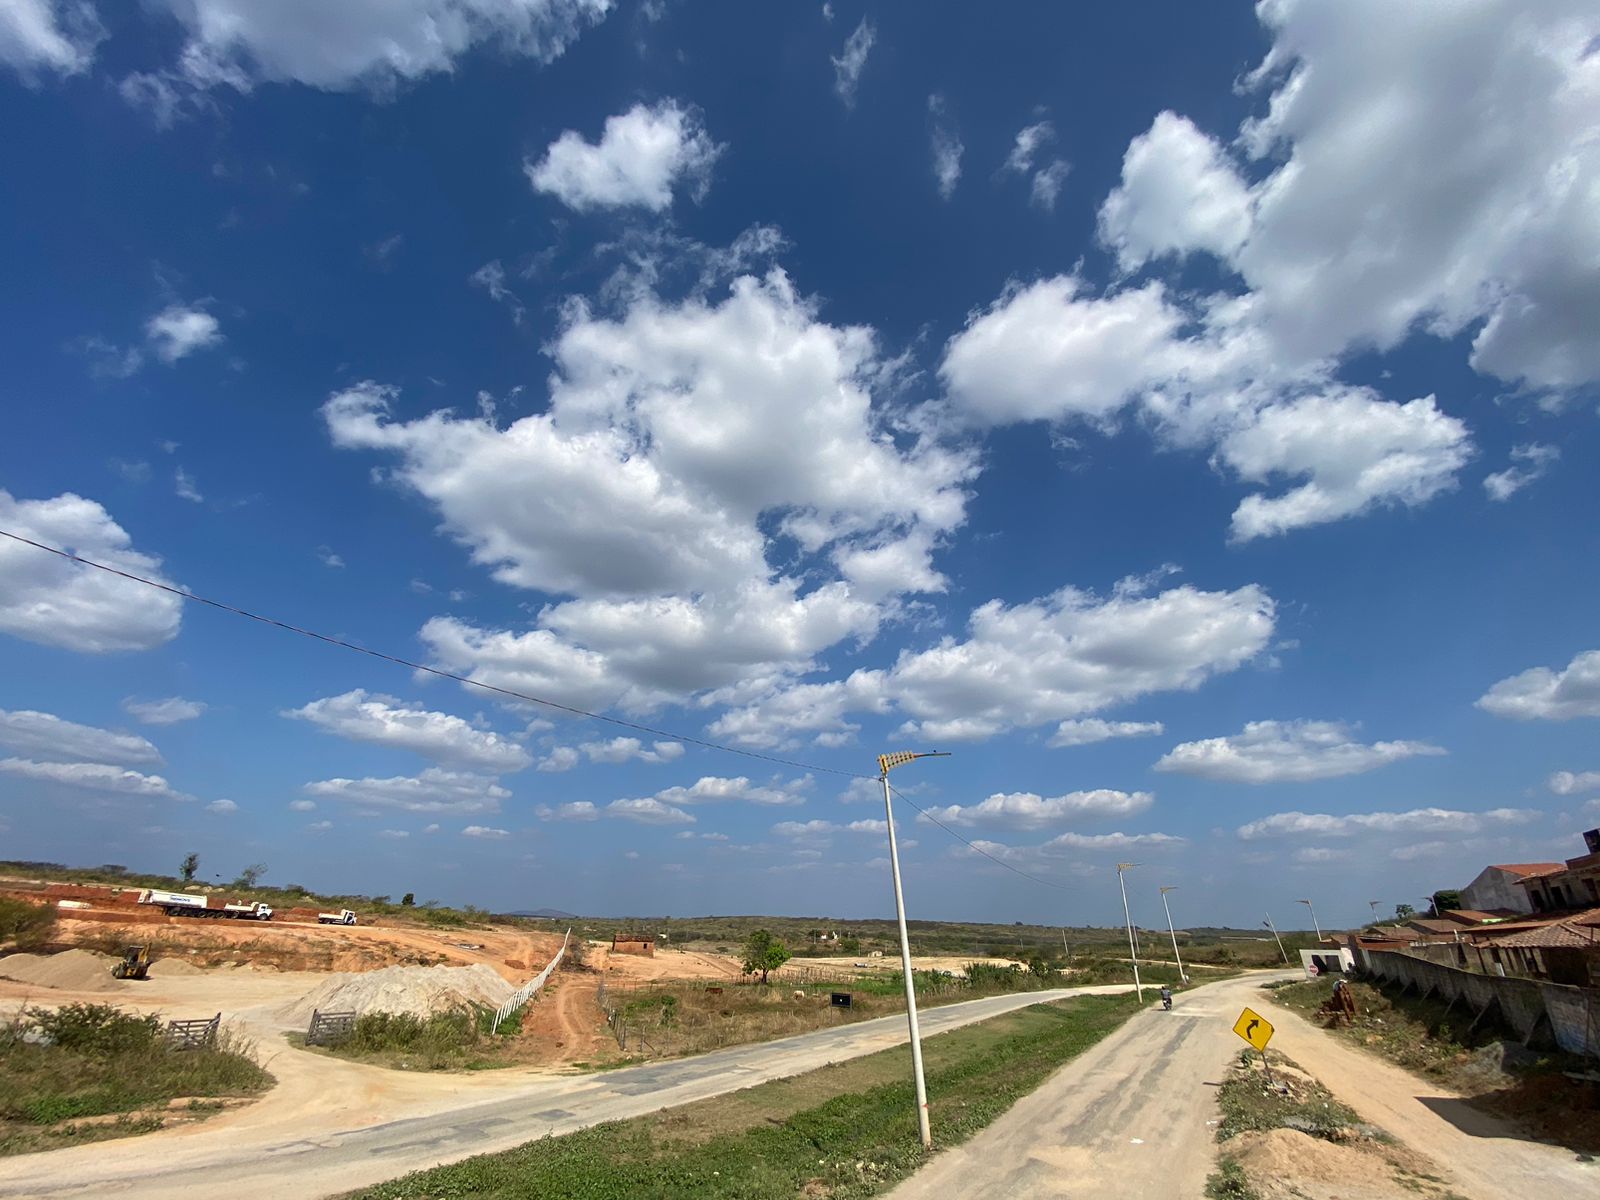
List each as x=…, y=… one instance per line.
x=842, y=1131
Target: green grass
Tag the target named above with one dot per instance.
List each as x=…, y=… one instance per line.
x=1250, y=1101
x=457, y=1039
x=845, y=1131
x=1229, y=1182
x=102, y=1061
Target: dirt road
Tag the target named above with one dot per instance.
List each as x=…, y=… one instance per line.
x=335, y=1148
x=1134, y=1116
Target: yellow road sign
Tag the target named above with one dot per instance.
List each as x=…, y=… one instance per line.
x=1253, y=1028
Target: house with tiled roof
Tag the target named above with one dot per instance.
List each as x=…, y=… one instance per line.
x=1497, y=887
x=1573, y=884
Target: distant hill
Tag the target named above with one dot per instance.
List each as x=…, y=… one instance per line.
x=552, y=913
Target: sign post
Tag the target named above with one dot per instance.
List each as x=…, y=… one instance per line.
x=1257, y=1031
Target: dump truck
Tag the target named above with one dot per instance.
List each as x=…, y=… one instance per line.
x=343, y=917
x=185, y=904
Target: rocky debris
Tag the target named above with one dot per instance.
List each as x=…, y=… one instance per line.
x=418, y=990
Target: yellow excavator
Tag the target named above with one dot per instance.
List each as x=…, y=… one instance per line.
x=134, y=964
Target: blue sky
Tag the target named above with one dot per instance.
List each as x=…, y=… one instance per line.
x=1183, y=415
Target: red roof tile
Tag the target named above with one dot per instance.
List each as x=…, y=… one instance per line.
x=1530, y=868
x=1553, y=937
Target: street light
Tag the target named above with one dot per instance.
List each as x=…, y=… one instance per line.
x=1268, y=923
x=1133, y=948
x=1182, y=978
x=1314, y=921
x=1374, y=904
x=887, y=763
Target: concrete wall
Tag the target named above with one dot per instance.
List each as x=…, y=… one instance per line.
x=1494, y=888
x=1573, y=1012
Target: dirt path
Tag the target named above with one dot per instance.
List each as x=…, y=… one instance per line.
x=1485, y=1157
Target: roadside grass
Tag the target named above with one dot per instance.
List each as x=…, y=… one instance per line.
x=1487, y=1064
x=64, y=1071
x=456, y=1039
x=1249, y=1101
x=842, y=1131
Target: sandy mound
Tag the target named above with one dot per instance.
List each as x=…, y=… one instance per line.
x=1285, y=1164
x=168, y=968
x=419, y=990
x=71, y=970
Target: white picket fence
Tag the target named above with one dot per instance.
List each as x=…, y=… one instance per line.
x=525, y=993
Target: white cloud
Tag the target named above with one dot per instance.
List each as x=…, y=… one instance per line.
x=319, y=826
x=648, y=811
x=947, y=149
x=47, y=600
x=1092, y=729
x=1419, y=820
x=1178, y=193
x=1069, y=844
x=576, y=810
x=179, y=330
x=491, y=277
x=171, y=711
x=1528, y=463
x=629, y=749
x=241, y=43
x=394, y=834
x=562, y=758
x=675, y=436
x=487, y=832
x=1546, y=695
x=1349, y=242
x=1046, y=185
x=183, y=484
x=386, y=721
x=1028, y=143
x=715, y=789
x=642, y=156
x=847, y=67
x=806, y=830
x=1048, y=660
x=302, y=805
x=56, y=35
x=1287, y=752
x=433, y=791
x=1570, y=783
x=329, y=559
x=1027, y=810
x=222, y=807
x=99, y=777
x=44, y=735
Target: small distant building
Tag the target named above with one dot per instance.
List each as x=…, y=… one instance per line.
x=1570, y=885
x=633, y=943
x=1562, y=952
x=1499, y=886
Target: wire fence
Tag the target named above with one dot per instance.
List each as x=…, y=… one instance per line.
x=525, y=993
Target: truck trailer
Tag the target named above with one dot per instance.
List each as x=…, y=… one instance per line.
x=184, y=904
x=343, y=917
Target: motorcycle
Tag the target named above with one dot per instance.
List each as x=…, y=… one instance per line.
x=1166, y=1003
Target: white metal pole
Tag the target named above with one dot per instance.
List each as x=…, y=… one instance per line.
x=1138, y=988
x=1281, y=950
x=905, y=966
x=1314, y=920
x=1165, y=907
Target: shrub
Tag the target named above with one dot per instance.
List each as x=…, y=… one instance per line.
x=28, y=925
x=96, y=1028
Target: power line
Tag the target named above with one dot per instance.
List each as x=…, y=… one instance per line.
x=438, y=671
x=975, y=848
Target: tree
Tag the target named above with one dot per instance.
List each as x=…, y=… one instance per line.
x=190, y=864
x=409, y=900
x=1404, y=912
x=764, y=953
x=1446, y=898
x=251, y=875
x=28, y=925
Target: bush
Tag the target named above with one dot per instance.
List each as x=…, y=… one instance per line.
x=96, y=1028
x=28, y=925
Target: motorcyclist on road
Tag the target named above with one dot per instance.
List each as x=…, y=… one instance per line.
x=1166, y=998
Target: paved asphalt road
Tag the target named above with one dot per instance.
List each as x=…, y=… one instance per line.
x=230, y=1163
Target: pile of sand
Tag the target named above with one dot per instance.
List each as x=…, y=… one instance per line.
x=418, y=990
x=1285, y=1164
x=71, y=970
x=168, y=968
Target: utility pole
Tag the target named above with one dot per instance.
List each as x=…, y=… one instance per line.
x=886, y=763
x=1314, y=920
x=1268, y=923
x=1374, y=904
x=1133, y=947
x=1182, y=978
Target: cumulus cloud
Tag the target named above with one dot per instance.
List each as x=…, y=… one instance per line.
x=1287, y=752
x=241, y=43
x=562, y=758
x=48, y=35
x=576, y=810
x=45, y=735
x=1067, y=844
x=491, y=277
x=302, y=805
x=1418, y=820
x=1089, y=730
x=1540, y=694
x=648, y=811
x=47, y=600
x=171, y=711
x=806, y=830
x=222, y=807
x=716, y=789
x=1028, y=810
x=1528, y=463
x=386, y=721
x=179, y=330
x=1048, y=660
x=433, y=791
x=487, y=832
x=1571, y=783
x=852, y=60
x=675, y=436
x=99, y=777
x=394, y=834
x=630, y=749
x=642, y=156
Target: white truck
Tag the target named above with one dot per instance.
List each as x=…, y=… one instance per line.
x=184, y=904
x=343, y=917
